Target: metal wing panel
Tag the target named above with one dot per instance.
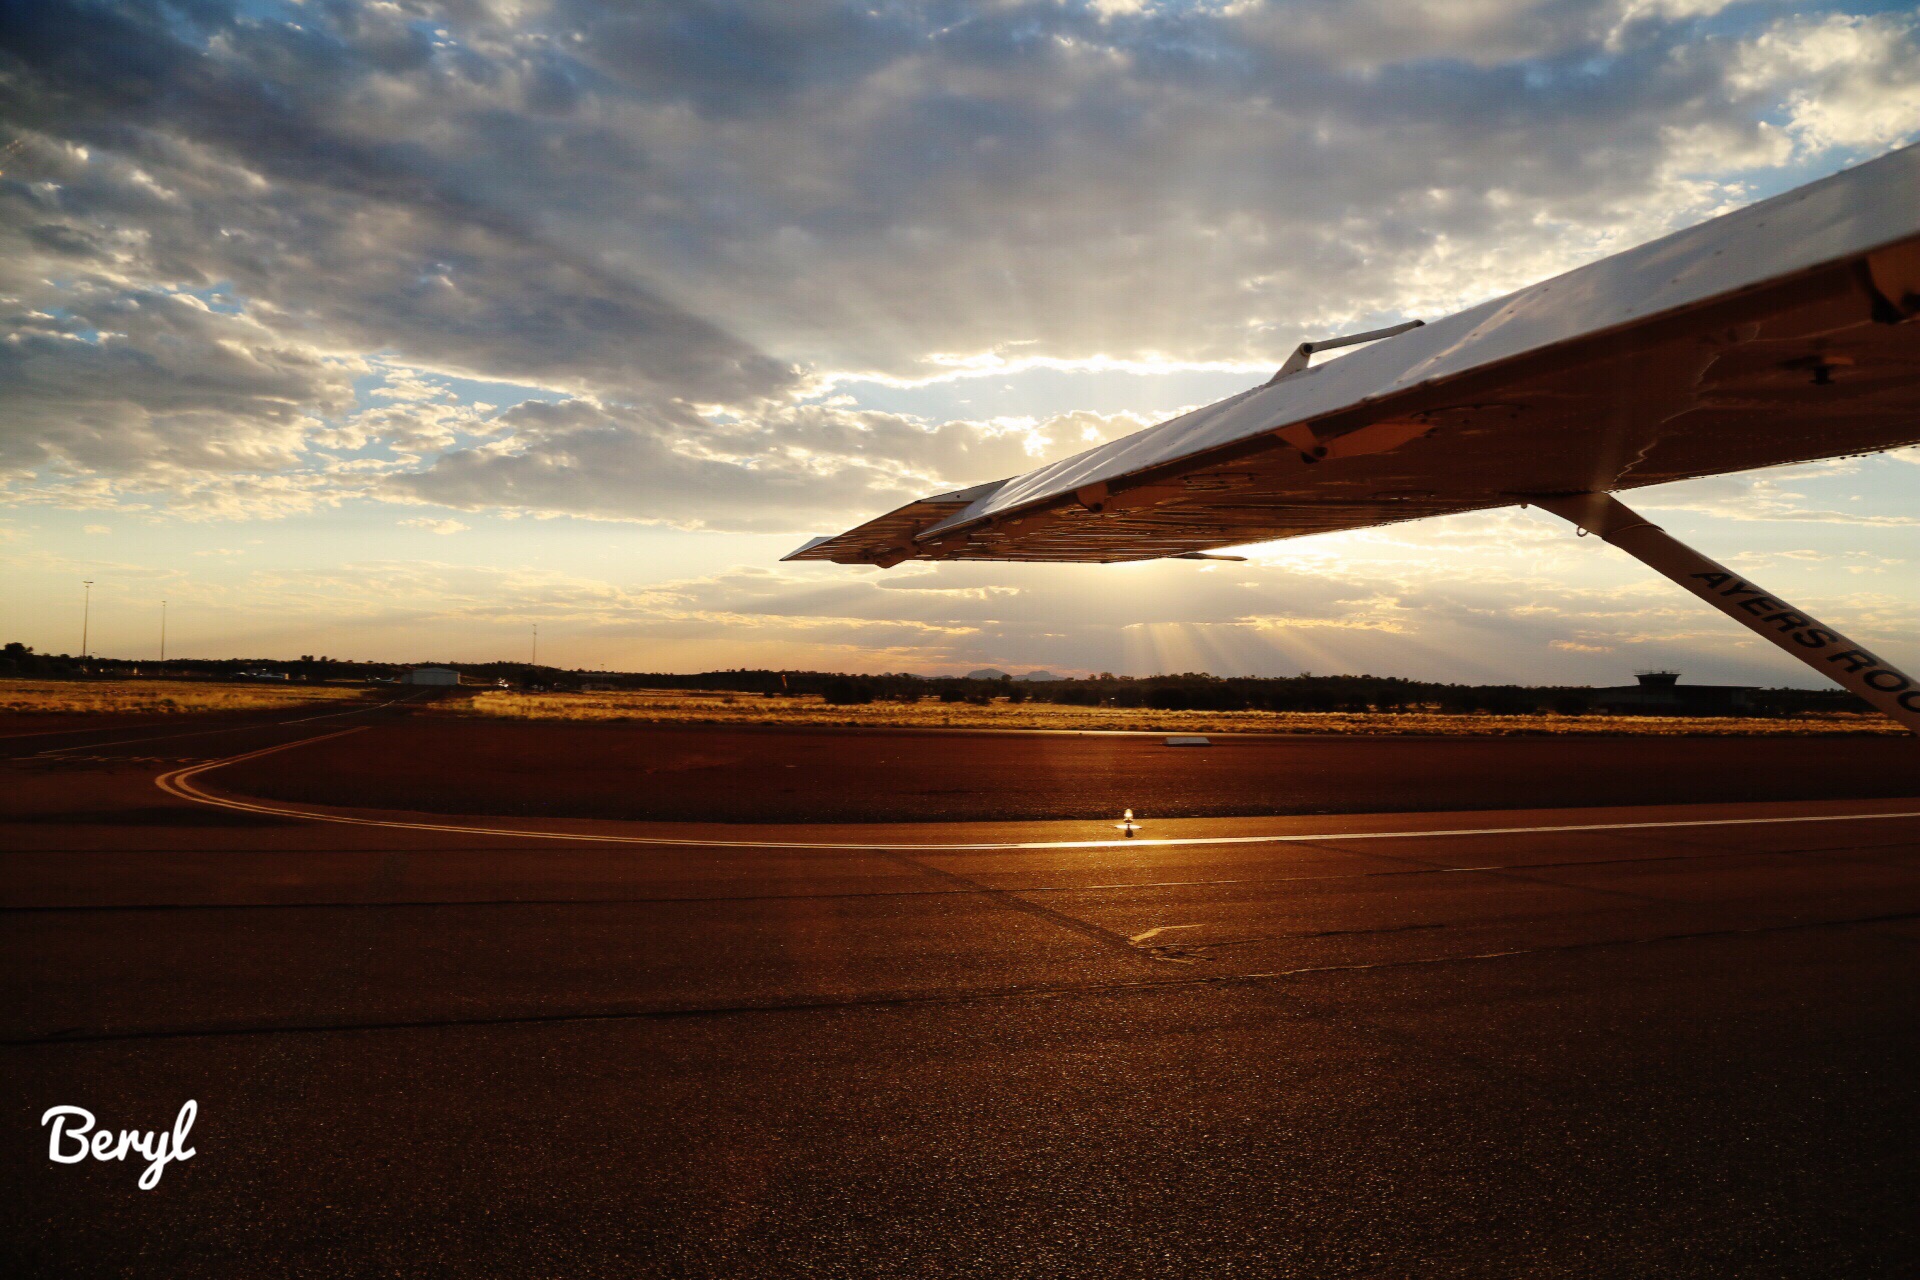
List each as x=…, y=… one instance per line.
x=1845, y=215
x=1794, y=386
x=1787, y=332
x=888, y=539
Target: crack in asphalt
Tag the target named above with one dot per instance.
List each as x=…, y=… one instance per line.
x=967, y=887
x=1010, y=899
x=911, y=999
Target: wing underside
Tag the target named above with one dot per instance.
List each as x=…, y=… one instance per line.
x=1817, y=360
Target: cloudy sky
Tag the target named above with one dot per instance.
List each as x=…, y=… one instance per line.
x=392, y=328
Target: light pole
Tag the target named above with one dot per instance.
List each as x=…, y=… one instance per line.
x=86, y=618
x=163, y=631
x=533, y=657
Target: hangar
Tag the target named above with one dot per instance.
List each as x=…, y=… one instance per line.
x=1658, y=693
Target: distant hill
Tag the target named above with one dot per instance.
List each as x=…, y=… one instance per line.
x=1038, y=675
x=986, y=673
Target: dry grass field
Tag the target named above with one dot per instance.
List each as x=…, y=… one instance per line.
x=158, y=697
x=673, y=706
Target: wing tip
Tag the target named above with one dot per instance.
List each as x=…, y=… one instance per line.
x=800, y=553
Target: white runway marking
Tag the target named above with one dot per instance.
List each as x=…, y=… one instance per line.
x=180, y=783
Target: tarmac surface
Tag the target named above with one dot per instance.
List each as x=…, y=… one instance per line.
x=460, y=765
x=1661, y=1040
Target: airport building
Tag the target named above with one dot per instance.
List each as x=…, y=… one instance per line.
x=431, y=675
x=1660, y=693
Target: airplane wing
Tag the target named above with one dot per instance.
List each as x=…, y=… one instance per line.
x=1784, y=332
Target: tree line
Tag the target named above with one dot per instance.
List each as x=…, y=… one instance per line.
x=1187, y=691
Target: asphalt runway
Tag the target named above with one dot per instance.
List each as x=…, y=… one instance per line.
x=459, y=765
x=1660, y=1040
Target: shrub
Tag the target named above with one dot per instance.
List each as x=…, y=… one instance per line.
x=847, y=693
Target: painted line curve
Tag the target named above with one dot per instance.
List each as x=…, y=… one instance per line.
x=179, y=783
